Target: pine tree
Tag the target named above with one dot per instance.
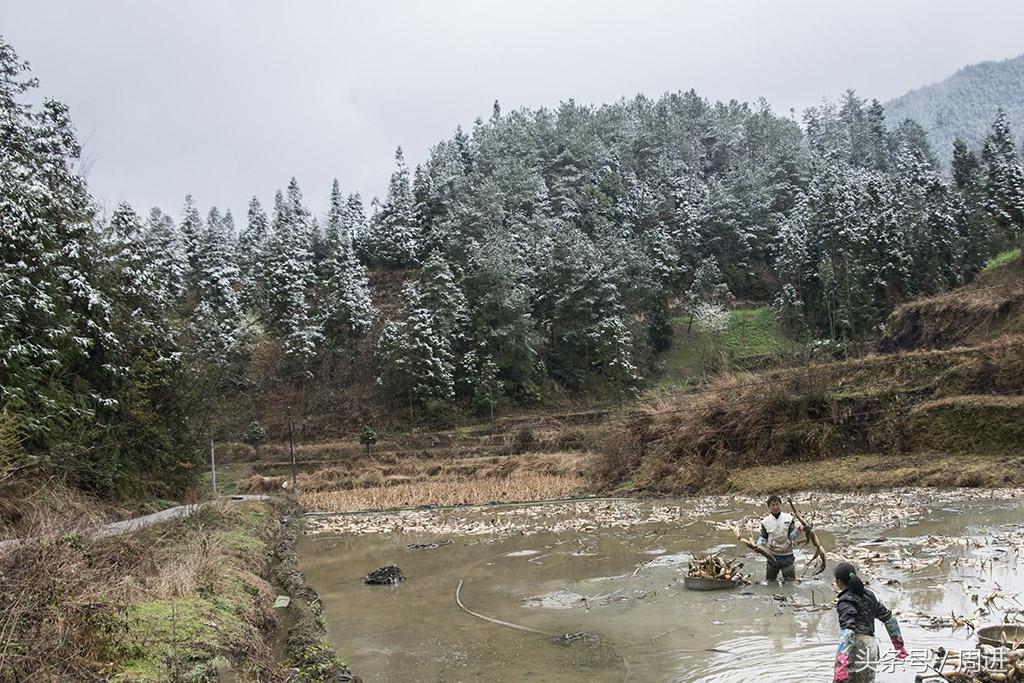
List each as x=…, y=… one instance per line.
x=965, y=168
x=252, y=259
x=974, y=219
x=291, y=279
x=336, y=209
x=54, y=325
x=86, y=361
x=931, y=235
x=581, y=311
x=418, y=366
x=191, y=231
x=345, y=296
x=169, y=259
x=1004, y=183
x=132, y=266
x=497, y=285
x=392, y=240
x=217, y=320
x=441, y=293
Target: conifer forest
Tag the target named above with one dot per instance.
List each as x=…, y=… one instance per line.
x=544, y=252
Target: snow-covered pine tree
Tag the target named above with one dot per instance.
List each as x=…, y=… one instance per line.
x=928, y=224
x=974, y=219
x=417, y=363
x=442, y=294
x=335, y=219
x=228, y=229
x=70, y=372
x=217, y=320
x=497, y=284
x=392, y=240
x=54, y=321
x=131, y=265
x=354, y=222
x=168, y=256
x=345, y=305
x=291, y=280
x=207, y=239
x=149, y=431
x=1004, y=183
x=252, y=255
x=580, y=309
x=191, y=227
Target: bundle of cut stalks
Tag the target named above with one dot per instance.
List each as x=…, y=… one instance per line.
x=715, y=567
x=976, y=666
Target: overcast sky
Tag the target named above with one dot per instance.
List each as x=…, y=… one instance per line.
x=229, y=99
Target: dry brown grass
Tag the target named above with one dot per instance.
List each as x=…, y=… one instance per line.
x=696, y=442
x=35, y=508
x=993, y=305
x=523, y=487
x=76, y=609
x=861, y=472
x=371, y=472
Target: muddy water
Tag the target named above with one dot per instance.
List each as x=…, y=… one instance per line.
x=623, y=581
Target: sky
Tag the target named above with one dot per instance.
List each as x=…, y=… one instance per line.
x=226, y=99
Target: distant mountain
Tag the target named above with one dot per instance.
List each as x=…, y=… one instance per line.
x=964, y=105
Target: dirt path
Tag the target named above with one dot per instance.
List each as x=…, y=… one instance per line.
x=135, y=523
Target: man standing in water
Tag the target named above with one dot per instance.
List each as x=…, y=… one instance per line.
x=778, y=532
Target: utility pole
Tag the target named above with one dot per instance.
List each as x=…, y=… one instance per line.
x=291, y=451
x=213, y=468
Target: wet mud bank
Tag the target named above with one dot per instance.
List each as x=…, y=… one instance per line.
x=302, y=645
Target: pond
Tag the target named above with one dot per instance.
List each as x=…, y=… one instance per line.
x=615, y=569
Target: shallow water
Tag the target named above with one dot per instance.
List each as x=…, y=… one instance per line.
x=624, y=583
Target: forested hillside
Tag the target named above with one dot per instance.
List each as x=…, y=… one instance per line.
x=963, y=105
x=541, y=254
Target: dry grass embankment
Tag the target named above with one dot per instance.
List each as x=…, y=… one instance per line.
x=990, y=306
x=514, y=459
x=524, y=487
x=369, y=483
x=962, y=402
x=869, y=472
x=185, y=600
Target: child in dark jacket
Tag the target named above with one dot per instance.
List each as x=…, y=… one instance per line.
x=857, y=655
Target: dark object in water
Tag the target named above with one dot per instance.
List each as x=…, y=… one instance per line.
x=427, y=546
x=579, y=638
x=390, y=575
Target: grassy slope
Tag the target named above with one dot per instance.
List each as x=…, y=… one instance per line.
x=1003, y=259
x=942, y=407
x=991, y=306
x=751, y=339
x=184, y=600
x=858, y=472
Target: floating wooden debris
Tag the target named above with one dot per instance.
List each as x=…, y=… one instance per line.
x=578, y=638
x=427, y=546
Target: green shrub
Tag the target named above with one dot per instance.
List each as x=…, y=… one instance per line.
x=1002, y=259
